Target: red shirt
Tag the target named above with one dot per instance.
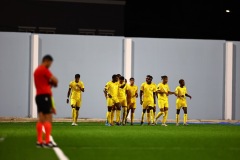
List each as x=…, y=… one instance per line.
x=42, y=76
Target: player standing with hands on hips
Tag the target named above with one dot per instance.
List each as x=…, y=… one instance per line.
x=44, y=81
x=76, y=87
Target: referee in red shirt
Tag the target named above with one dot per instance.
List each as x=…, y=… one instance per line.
x=44, y=81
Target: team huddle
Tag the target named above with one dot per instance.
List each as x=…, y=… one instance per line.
x=122, y=96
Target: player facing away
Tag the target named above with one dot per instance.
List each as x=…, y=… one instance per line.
x=76, y=87
x=122, y=97
x=181, y=102
x=147, y=97
x=111, y=89
x=163, y=92
x=132, y=94
x=44, y=80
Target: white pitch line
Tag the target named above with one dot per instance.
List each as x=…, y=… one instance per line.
x=57, y=150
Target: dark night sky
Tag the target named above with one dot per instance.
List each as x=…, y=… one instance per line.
x=201, y=19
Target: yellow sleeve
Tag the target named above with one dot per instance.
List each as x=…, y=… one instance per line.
x=168, y=88
x=159, y=87
x=82, y=84
x=107, y=86
x=176, y=90
x=154, y=88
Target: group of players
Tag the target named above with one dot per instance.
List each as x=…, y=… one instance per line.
x=119, y=96
x=122, y=96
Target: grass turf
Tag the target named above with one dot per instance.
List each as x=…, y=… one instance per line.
x=93, y=141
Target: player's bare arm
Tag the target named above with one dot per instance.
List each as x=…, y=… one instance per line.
x=68, y=94
x=187, y=95
x=141, y=93
x=154, y=97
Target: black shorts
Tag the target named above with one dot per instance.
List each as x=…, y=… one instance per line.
x=44, y=103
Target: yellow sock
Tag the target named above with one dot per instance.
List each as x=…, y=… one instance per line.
x=177, y=118
x=185, y=118
x=73, y=115
x=109, y=118
x=112, y=116
x=148, y=117
x=118, y=113
x=132, y=117
x=76, y=117
x=124, y=114
x=151, y=115
x=159, y=114
x=142, y=116
x=165, y=117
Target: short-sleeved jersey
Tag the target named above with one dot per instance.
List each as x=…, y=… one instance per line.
x=163, y=88
x=122, y=91
x=41, y=79
x=181, y=91
x=148, y=90
x=76, y=92
x=132, y=90
x=112, y=88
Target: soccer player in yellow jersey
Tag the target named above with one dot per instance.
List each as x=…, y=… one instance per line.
x=111, y=89
x=132, y=94
x=122, y=97
x=76, y=87
x=153, y=110
x=163, y=92
x=147, y=97
x=181, y=102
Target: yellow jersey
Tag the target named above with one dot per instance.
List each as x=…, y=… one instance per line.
x=148, y=90
x=163, y=88
x=112, y=88
x=132, y=90
x=181, y=92
x=76, y=87
x=122, y=91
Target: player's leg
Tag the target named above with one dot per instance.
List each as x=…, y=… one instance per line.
x=73, y=105
x=118, y=113
x=110, y=108
x=153, y=114
x=144, y=107
x=39, y=124
x=161, y=112
x=78, y=104
x=149, y=108
x=165, y=114
x=132, y=115
x=124, y=107
x=177, y=116
x=185, y=117
x=47, y=113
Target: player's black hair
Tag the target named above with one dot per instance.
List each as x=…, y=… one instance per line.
x=77, y=75
x=121, y=78
x=119, y=75
x=132, y=79
x=149, y=76
x=180, y=81
x=47, y=58
x=114, y=76
x=163, y=77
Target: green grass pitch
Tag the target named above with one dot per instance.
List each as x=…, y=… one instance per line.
x=95, y=141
